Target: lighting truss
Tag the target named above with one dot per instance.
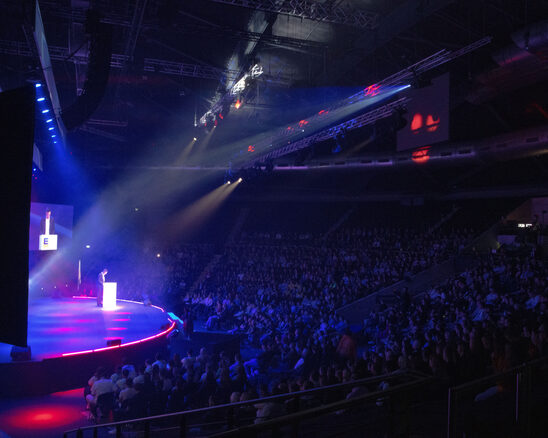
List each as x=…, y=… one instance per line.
x=119, y=61
x=237, y=88
x=365, y=119
x=188, y=70
x=79, y=15
x=312, y=10
x=401, y=77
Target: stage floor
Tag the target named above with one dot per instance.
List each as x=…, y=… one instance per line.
x=67, y=325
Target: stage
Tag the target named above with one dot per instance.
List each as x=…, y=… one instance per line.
x=68, y=339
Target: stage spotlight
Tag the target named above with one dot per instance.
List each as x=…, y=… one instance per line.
x=45, y=111
x=240, y=180
x=50, y=129
x=136, y=209
x=40, y=99
x=38, y=85
x=158, y=255
x=228, y=182
x=53, y=136
x=195, y=139
x=49, y=120
x=88, y=246
x=238, y=104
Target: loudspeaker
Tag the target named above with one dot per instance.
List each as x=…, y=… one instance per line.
x=17, y=138
x=100, y=52
x=20, y=353
x=113, y=342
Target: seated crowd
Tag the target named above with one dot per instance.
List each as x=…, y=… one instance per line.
x=279, y=284
x=485, y=320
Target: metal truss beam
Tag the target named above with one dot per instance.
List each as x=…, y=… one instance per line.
x=212, y=30
x=403, y=17
x=135, y=29
x=100, y=132
x=236, y=34
x=18, y=48
x=362, y=120
x=312, y=10
x=401, y=77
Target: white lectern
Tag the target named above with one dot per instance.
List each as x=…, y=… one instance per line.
x=48, y=242
x=109, y=295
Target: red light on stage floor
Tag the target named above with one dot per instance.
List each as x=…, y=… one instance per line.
x=44, y=416
x=420, y=155
x=39, y=417
x=71, y=393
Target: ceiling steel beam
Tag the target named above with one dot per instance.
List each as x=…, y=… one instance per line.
x=404, y=17
x=312, y=10
x=19, y=48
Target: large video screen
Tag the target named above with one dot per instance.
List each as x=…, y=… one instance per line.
x=50, y=226
x=427, y=115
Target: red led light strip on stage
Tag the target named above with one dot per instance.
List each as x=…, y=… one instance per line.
x=165, y=332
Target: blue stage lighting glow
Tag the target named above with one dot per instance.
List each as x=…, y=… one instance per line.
x=54, y=142
x=49, y=120
x=88, y=246
x=38, y=85
x=45, y=111
x=53, y=136
x=50, y=128
x=40, y=99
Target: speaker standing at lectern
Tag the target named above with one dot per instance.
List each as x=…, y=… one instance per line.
x=100, y=282
x=48, y=238
x=47, y=224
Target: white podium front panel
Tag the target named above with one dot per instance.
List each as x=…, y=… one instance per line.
x=48, y=242
x=109, y=296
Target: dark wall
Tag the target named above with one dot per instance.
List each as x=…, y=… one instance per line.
x=16, y=140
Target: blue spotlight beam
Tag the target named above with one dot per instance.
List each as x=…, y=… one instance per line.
x=320, y=126
x=357, y=122
x=404, y=76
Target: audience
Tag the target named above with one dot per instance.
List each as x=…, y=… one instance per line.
x=282, y=295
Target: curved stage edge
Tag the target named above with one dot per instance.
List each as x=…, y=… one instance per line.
x=57, y=369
